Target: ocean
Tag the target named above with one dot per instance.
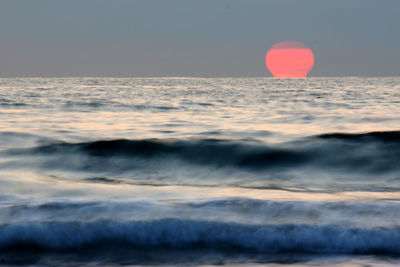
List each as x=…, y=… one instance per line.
x=200, y=172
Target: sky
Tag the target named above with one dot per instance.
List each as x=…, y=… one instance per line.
x=187, y=38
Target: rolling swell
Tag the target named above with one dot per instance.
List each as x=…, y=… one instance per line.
x=387, y=137
x=179, y=234
x=205, y=151
x=375, y=152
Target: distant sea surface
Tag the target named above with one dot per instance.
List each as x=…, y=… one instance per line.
x=200, y=172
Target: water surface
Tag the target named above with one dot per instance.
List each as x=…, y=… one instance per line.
x=190, y=171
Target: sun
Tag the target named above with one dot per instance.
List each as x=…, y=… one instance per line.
x=289, y=59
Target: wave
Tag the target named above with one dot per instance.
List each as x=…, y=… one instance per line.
x=387, y=137
x=177, y=233
x=242, y=211
x=201, y=231
x=374, y=152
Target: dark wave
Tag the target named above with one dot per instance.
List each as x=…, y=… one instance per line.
x=375, y=152
x=387, y=137
x=176, y=233
x=205, y=151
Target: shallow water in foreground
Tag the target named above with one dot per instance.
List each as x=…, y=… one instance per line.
x=187, y=171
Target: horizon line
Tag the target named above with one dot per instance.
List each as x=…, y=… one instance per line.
x=197, y=77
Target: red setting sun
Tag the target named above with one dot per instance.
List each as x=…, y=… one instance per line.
x=289, y=59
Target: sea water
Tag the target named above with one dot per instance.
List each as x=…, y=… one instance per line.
x=195, y=171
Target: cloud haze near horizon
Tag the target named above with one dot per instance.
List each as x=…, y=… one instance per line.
x=208, y=38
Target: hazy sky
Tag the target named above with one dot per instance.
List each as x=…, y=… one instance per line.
x=217, y=38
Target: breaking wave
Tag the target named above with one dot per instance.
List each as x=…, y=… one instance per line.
x=177, y=233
